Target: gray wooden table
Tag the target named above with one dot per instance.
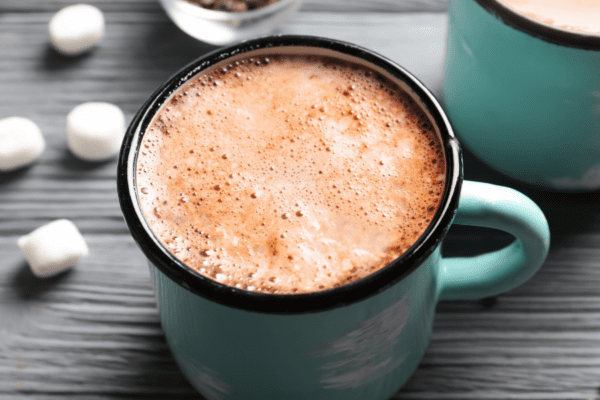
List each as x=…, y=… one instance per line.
x=94, y=332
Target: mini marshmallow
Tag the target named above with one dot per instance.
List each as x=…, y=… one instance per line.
x=95, y=130
x=53, y=248
x=21, y=143
x=76, y=29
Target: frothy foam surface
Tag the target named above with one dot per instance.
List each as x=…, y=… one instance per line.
x=289, y=174
x=576, y=15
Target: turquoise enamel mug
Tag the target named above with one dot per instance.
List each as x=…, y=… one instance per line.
x=362, y=340
x=524, y=97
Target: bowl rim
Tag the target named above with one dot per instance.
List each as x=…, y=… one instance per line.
x=220, y=15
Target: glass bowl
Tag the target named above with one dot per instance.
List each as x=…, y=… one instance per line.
x=224, y=27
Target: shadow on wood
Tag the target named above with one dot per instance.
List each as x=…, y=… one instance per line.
x=52, y=60
x=69, y=161
x=568, y=213
x=163, y=50
x=27, y=286
x=153, y=372
x=6, y=178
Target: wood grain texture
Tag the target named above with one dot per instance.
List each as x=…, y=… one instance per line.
x=98, y=323
x=94, y=332
x=345, y=6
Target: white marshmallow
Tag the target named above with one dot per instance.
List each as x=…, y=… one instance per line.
x=54, y=247
x=21, y=143
x=76, y=29
x=95, y=130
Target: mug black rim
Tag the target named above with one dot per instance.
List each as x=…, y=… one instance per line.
x=539, y=30
x=344, y=295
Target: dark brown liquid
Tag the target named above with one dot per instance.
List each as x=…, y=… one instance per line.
x=289, y=174
x=233, y=5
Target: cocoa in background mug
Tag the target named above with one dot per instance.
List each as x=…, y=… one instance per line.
x=362, y=340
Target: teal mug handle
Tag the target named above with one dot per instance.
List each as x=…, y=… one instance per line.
x=489, y=274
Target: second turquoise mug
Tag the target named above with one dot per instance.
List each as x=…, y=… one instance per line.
x=524, y=97
x=362, y=340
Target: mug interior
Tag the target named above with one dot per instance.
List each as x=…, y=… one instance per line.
x=349, y=293
x=539, y=29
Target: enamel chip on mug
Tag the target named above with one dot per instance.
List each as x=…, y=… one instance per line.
x=76, y=29
x=95, y=131
x=21, y=143
x=53, y=248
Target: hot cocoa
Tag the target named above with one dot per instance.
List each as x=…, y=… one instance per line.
x=289, y=173
x=575, y=15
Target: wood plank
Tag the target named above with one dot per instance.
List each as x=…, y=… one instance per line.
x=346, y=6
